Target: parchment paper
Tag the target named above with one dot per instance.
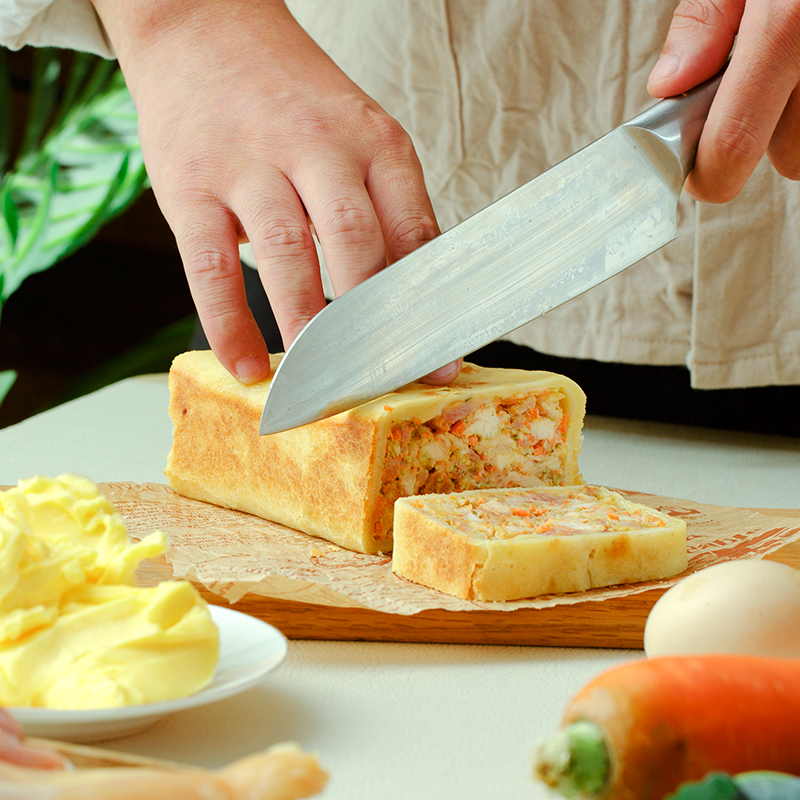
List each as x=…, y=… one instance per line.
x=232, y=553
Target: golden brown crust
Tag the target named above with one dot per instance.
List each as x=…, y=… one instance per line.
x=326, y=478
x=217, y=456
x=434, y=548
x=432, y=555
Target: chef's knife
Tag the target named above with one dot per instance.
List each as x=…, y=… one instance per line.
x=573, y=227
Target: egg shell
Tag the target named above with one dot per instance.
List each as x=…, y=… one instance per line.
x=750, y=607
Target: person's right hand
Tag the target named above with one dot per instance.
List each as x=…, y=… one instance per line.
x=250, y=132
x=756, y=110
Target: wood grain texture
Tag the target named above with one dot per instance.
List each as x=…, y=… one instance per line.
x=612, y=623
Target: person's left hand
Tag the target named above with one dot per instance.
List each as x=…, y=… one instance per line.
x=757, y=107
x=14, y=750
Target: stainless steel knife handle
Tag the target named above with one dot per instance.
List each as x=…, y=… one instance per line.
x=670, y=130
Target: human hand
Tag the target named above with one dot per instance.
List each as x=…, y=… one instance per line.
x=757, y=107
x=250, y=132
x=13, y=749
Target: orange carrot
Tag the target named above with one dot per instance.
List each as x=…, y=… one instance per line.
x=641, y=729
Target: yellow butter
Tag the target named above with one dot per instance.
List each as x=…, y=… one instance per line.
x=75, y=632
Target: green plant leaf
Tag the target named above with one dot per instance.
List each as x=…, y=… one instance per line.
x=6, y=117
x=7, y=378
x=44, y=96
x=31, y=230
x=86, y=170
x=82, y=66
x=9, y=224
x=103, y=76
x=79, y=165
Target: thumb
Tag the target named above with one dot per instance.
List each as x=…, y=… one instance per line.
x=699, y=41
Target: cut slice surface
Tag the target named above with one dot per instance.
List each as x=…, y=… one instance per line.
x=510, y=544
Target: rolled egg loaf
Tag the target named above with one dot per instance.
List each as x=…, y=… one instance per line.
x=511, y=544
x=338, y=478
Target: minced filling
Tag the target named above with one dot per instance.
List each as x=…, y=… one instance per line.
x=579, y=511
x=513, y=442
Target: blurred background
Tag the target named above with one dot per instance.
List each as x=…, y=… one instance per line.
x=92, y=299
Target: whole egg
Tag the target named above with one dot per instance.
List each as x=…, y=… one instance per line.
x=750, y=607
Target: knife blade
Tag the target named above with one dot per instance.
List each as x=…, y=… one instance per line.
x=574, y=226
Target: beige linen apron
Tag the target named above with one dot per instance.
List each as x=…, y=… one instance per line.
x=493, y=92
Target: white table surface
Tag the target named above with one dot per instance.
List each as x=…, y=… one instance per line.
x=400, y=720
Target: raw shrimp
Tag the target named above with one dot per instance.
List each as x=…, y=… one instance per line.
x=283, y=772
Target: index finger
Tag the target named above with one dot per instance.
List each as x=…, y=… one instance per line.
x=758, y=82
x=208, y=244
x=407, y=217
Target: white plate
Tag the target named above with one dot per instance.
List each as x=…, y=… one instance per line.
x=249, y=649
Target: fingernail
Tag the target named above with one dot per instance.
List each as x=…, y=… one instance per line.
x=444, y=374
x=250, y=368
x=665, y=67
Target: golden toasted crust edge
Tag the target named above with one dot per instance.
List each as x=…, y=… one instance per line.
x=218, y=457
x=431, y=553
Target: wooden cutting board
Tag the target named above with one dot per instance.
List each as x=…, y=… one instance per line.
x=611, y=623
